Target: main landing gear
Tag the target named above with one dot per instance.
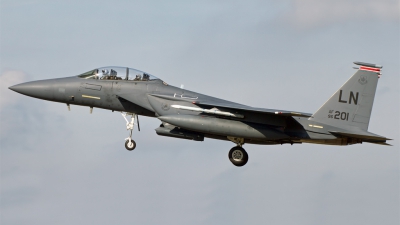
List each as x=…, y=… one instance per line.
x=130, y=144
x=237, y=155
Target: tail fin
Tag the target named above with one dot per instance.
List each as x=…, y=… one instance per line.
x=351, y=105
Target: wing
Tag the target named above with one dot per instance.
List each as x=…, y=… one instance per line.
x=250, y=109
x=232, y=106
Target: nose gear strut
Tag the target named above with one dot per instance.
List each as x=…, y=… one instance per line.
x=130, y=144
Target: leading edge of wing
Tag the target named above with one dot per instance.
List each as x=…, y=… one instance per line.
x=231, y=105
x=252, y=109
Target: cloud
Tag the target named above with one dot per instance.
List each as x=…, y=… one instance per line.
x=9, y=78
x=315, y=13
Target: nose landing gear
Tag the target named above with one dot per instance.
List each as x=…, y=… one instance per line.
x=130, y=144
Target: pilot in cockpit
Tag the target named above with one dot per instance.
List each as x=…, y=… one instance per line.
x=146, y=77
x=138, y=77
x=104, y=73
x=109, y=75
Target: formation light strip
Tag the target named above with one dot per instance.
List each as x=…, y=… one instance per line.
x=316, y=126
x=88, y=96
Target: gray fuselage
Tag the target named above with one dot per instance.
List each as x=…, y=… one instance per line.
x=154, y=98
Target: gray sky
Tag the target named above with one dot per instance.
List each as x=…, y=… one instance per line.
x=61, y=167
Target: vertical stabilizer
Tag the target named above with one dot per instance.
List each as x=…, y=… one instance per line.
x=351, y=105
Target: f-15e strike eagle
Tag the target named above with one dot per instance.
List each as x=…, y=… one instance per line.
x=342, y=120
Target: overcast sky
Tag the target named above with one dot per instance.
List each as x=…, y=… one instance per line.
x=71, y=167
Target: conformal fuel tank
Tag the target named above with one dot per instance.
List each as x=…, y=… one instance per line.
x=224, y=127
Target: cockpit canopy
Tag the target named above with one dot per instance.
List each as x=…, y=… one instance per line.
x=117, y=73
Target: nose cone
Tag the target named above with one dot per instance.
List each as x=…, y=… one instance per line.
x=42, y=89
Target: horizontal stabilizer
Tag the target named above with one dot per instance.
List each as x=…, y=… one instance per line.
x=363, y=135
x=379, y=143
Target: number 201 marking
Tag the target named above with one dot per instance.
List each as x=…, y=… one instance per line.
x=341, y=116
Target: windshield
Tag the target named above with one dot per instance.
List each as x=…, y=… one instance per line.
x=117, y=73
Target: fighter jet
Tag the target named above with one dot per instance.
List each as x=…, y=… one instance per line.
x=342, y=120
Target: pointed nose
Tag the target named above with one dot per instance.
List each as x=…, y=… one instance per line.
x=42, y=89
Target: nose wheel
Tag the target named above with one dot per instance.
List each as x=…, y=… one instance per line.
x=130, y=144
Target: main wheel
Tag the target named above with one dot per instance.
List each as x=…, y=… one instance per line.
x=130, y=146
x=238, y=156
